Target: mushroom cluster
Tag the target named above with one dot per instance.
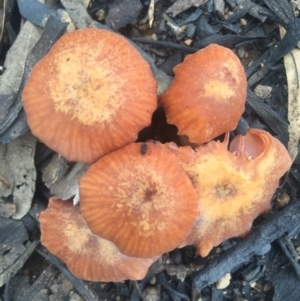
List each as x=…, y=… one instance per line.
x=140, y=200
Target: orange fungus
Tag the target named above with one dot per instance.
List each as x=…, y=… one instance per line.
x=139, y=198
x=91, y=94
x=65, y=234
x=234, y=186
x=207, y=96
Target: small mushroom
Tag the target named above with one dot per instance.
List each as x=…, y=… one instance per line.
x=207, y=96
x=65, y=234
x=139, y=198
x=91, y=94
x=233, y=187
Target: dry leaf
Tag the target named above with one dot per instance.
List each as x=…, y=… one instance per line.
x=55, y=170
x=182, y=5
x=7, y=209
x=292, y=67
x=62, y=178
x=2, y=19
x=18, y=173
x=6, y=176
x=78, y=14
x=10, y=81
x=86, y=3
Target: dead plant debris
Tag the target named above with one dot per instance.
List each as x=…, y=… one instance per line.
x=264, y=34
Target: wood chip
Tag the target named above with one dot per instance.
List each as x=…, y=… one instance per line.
x=122, y=13
x=219, y=6
x=223, y=282
x=151, y=12
x=182, y=5
x=14, y=248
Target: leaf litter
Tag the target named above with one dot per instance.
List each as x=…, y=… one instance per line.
x=18, y=150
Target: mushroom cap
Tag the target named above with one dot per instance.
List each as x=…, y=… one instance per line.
x=208, y=94
x=233, y=187
x=139, y=198
x=91, y=94
x=65, y=234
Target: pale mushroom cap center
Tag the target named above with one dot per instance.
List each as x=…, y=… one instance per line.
x=80, y=240
x=83, y=88
x=218, y=90
x=144, y=201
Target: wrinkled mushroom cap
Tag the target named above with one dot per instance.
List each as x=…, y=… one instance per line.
x=234, y=187
x=65, y=234
x=139, y=198
x=207, y=96
x=91, y=94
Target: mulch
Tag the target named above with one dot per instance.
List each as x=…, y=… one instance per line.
x=264, y=265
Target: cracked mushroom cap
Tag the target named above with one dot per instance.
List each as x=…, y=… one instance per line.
x=208, y=94
x=91, y=94
x=65, y=234
x=139, y=198
x=234, y=187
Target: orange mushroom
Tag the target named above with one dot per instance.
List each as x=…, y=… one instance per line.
x=91, y=94
x=139, y=198
x=65, y=234
x=207, y=96
x=233, y=187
